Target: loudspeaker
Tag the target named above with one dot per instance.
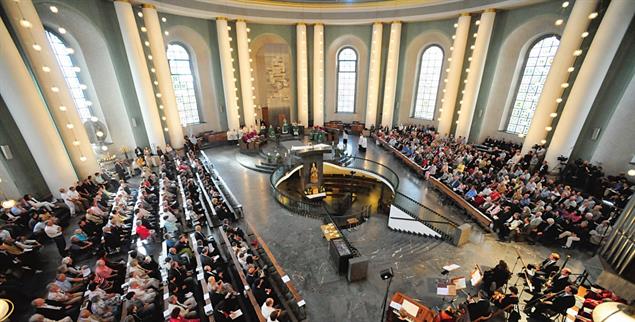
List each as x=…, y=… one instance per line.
x=386, y=274
x=357, y=268
x=6, y=150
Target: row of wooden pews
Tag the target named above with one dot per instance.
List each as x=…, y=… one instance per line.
x=474, y=213
x=283, y=290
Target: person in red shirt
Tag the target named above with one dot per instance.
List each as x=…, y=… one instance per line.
x=142, y=231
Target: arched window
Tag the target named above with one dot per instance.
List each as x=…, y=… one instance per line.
x=428, y=83
x=346, y=80
x=71, y=74
x=534, y=74
x=183, y=83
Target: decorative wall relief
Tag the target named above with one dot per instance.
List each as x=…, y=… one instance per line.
x=278, y=84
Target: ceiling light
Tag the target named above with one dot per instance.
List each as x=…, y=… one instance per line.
x=104, y=148
x=46, y=69
x=140, y=14
x=548, y=128
x=61, y=30
x=164, y=19
x=82, y=158
x=584, y=34
x=559, y=100
x=167, y=33
x=593, y=15
x=94, y=119
x=143, y=29
x=578, y=52
x=553, y=115
x=25, y=23
x=570, y=69
x=54, y=9
x=70, y=51
x=564, y=85
x=62, y=108
x=559, y=22
x=70, y=125
x=565, y=4
x=37, y=47
x=543, y=141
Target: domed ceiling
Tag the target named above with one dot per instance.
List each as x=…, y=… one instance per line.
x=342, y=12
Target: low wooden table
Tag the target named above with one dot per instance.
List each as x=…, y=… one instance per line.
x=424, y=314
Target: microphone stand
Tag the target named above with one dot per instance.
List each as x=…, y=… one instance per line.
x=512, y=272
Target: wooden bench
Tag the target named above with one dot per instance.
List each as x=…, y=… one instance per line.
x=472, y=211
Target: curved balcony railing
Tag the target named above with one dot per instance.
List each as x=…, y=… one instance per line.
x=293, y=203
x=376, y=168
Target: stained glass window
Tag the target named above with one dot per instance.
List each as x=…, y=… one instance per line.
x=428, y=83
x=533, y=78
x=346, y=80
x=183, y=83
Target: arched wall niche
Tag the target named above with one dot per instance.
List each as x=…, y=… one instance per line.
x=96, y=63
x=410, y=75
x=273, y=75
x=330, y=86
x=204, y=79
x=509, y=65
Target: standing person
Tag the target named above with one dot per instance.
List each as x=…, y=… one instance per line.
x=345, y=137
x=54, y=232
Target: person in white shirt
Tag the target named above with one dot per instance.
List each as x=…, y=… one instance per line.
x=267, y=307
x=54, y=232
x=68, y=201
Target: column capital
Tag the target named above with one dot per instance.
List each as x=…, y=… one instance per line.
x=301, y=24
x=149, y=6
x=464, y=14
x=489, y=10
x=126, y=1
x=319, y=24
x=241, y=20
x=221, y=18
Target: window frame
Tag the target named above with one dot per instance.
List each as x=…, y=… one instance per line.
x=78, y=75
x=519, y=80
x=194, y=75
x=418, y=79
x=337, y=83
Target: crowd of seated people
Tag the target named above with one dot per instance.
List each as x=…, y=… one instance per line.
x=512, y=189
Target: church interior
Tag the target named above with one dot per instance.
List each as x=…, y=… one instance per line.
x=317, y=160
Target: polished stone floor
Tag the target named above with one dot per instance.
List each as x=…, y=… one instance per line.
x=297, y=243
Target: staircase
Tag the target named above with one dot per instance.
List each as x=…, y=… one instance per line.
x=403, y=222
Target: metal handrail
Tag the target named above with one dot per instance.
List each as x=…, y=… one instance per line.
x=439, y=223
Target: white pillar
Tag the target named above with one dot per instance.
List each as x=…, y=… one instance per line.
x=140, y=74
x=374, y=75
x=303, y=78
x=587, y=84
x=475, y=74
x=53, y=85
x=32, y=117
x=451, y=89
x=318, y=75
x=392, y=66
x=227, y=73
x=571, y=39
x=164, y=77
x=246, y=76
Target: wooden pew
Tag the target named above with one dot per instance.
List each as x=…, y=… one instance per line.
x=472, y=211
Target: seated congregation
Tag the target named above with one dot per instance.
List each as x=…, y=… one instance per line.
x=515, y=191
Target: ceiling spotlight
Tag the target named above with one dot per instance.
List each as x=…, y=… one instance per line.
x=559, y=100
x=82, y=158
x=54, y=9
x=564, y=85
x=559, y=22
x=553, y=115
x=565, y=4
x=164, y=19
x=167, y=33
x=94, y=119
x=631, y=172
x=584, y=34
x=456, y=25
x=37, y=47
x=548, y=128
x=164, y=118
x=478, y=22
x=147, y=43
x=46, y=69
x=140, y=14
x=61, y=30
x=159, y=95
x=104, y=148
x=593, y=15
x=25, y=23
x=165, y=129
x=578, y=52
x=62, y=108
x=543, y=141
x=160, y=107
x=570, y=69
x=70, y=125
x=76, y=143
x=55, y=89
x=143, y=29
x=99, y=134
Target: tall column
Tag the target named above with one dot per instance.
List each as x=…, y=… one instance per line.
x=571, y=39
x=589, y=80
x=227, y=72
x=246, y=78
x=32, y=117
x=392, y=66
x=164, y=77
x=140, y=73
x=451, y=89
x=318, y=74
x=475, y=73
x=52, y=84
x=303, y=71
x=374, y=75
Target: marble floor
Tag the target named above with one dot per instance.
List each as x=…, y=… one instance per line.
x=297, y=243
